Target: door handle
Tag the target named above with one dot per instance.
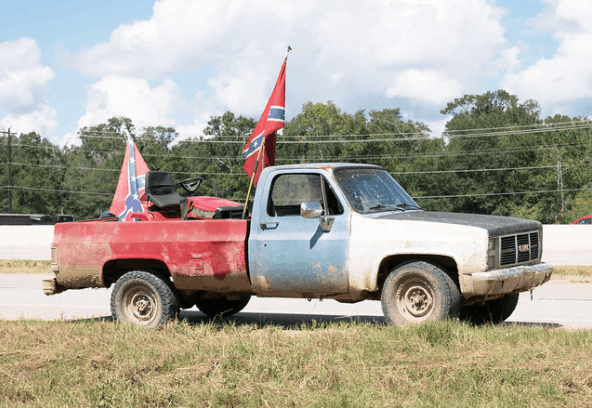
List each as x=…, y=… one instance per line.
x=269, y=225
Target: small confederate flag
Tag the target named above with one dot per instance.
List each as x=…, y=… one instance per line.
x=272, y=119
x=130, y=195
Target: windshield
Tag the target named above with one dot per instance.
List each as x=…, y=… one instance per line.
x=373, y=190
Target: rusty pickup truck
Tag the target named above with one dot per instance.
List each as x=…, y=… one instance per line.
x=347, y=232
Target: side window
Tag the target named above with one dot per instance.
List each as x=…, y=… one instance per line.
x=334, y=206
x=288, y=191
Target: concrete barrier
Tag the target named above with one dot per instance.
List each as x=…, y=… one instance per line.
x=562, y=244
x=571, y=237
x=26, y=242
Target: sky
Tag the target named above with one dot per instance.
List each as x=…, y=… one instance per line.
x=179, y=62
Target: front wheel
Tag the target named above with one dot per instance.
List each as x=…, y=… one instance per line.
x=144, y=298
x=418, y=292
x=493, y=311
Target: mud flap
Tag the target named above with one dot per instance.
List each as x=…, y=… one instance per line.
x=52, y=287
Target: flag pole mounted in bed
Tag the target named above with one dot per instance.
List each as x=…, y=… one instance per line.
x=261, y=144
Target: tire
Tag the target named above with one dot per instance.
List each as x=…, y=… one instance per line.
x=220, y=306
x=144, y=298
x=418, y=292
x=492, y=312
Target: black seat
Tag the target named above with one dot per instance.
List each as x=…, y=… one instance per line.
x=161, y=191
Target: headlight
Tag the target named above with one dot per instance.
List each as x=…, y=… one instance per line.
x=492, y=253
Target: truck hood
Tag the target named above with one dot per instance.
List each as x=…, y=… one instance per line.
x=495, y=225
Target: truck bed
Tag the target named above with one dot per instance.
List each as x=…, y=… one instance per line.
x=204, y=254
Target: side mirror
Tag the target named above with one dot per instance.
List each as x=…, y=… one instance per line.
x=311, y=210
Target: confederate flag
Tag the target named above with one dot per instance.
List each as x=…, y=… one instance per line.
x=272, y=119
x=130, y=196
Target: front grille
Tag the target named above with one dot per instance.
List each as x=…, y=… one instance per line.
x=519, y=248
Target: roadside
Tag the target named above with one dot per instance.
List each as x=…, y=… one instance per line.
x=556, y=304
x=572, y=273
x=22, y=266
x=567, y=273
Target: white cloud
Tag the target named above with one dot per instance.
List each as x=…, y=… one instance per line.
x=23, y=88
x=133, y=98
x=429, y=86
x=438, y=126
x=43, y=120
x=195, y=128
x=566, y=77
x=427, y=51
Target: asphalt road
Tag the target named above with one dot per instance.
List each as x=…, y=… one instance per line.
x=555, y=304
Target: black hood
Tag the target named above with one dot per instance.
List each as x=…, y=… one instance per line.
x=494, y=224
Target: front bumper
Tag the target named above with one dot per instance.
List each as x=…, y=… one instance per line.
x=510, y=280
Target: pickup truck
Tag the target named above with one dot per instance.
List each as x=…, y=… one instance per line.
x=347, y=232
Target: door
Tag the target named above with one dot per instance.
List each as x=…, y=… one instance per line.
x=290, y=253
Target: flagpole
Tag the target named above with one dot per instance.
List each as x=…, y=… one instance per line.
x=253, y=176
x=258, y=157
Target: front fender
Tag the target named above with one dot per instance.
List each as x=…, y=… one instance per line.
x=373, y=241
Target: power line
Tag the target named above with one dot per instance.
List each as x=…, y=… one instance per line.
x=457, y=171
x=414, y=197
x=452, y=134
x=572, y=124
x=118, y=170
x=524, y=126
x=62, y=191
x=502, y=194
x=377, y=157
x=476, y=170
x=244, y=174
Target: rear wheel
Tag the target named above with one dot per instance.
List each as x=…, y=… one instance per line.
x=417, y=292
x=493, y=311
x=220, y=306
x=144, y=298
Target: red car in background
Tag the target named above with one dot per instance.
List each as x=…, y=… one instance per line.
x=587, y=220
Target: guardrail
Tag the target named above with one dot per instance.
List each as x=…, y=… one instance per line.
x=34, y=241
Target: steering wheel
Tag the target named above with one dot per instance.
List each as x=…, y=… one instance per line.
x=190, y=185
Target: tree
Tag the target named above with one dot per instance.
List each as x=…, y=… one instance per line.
x=36, y=175
x=315, y=124
x=93, y=167
x=472, y=150
x=217, y=157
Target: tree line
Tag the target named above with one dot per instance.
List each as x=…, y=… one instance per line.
x=497, y=156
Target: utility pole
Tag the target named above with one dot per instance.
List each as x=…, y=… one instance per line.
x=560, y=186
x=9, y=172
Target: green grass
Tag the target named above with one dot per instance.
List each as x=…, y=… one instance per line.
x=575, y=274
x=103, y=364
x=21, y=266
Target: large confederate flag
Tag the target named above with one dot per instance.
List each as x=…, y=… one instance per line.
x=130, y=193
x=272, y=119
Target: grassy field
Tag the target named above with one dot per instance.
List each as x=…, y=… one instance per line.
x=102, y=364
x=96, y=363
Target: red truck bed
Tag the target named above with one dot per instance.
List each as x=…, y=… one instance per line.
x=207, y=254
